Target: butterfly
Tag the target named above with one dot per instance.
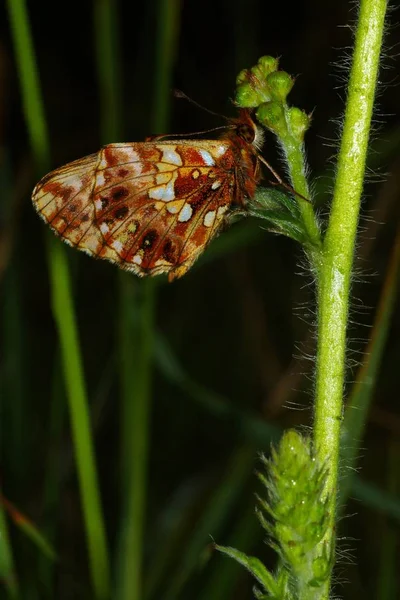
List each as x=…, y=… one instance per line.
x=152, y=207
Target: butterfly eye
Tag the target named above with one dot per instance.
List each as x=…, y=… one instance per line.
x=246, y=132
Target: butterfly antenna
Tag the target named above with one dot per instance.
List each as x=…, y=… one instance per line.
x=280, y=180
x=185, y=135
x=180, y=94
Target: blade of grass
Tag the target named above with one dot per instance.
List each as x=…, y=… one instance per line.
x=11, y=389
x=7, y=568
x=13, y=385
x=257, y=431
x=375, y=498
x=168, y=24
x=53, y=481
x=134, y=352
x=131, y=551
x=108, y=60
x=246, y=534
x=63, y=310
x=211, y=521
x=29, y=528
x=62, y=305
x=362, y=393
x=15, y=343
x=131, y=557
x=388, y=582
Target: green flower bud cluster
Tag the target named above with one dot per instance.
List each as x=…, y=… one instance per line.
x=266, y=88
x=295, y=484
x=296, y=519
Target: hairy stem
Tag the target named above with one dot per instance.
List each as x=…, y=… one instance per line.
x=339, y=244
x=295, y=159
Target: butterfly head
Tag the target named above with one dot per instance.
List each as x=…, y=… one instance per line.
x=245, y=128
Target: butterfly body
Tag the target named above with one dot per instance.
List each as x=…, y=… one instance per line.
x=151, y=207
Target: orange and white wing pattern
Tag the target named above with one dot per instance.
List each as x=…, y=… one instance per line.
x=148, y=207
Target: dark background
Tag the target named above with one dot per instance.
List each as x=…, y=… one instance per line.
x=234, y=322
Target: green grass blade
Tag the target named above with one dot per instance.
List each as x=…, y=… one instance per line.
x=13, y=385
x=133, y=345
x=53, y=482
x=388, y=584
x=31, y=96
x=256, y=430
x=222, y=583
x=131, y=555
x=63, y=309
x=29, y=529
x=168, y=23
x=131, y=550
x=376, y=498
x=359, y=403
x=108, y=69
x=212, y=520
x=7, y=569
x=108, y=61
x=79, y=413
x=12, y=397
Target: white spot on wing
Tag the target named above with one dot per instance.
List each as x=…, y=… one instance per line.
x=185, y=213
x=104, y=228
x=135, y=168
x=171, y=156
x=220, y=151
x=216, y=185
x=209, y=218
x=206, y=156
x=117, y=246
x=98, y=204
x=222, y=210
x=161, y=263
x=103, y=163
x=92, y=244
x=134, y=156
x=163, y=192
x=100, y=181
x=137, y=259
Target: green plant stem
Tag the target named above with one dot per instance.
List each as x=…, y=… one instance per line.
x=339, y=244
x=63, y=309
x=295, y=159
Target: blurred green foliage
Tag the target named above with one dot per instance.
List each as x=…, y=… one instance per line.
x=216, y=347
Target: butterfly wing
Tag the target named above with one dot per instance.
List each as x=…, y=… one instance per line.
x=150, y=207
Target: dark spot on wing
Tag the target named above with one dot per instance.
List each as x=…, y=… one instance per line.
x=121, y=212
x=169, y=252
x=119, y=193
x=149, y=239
